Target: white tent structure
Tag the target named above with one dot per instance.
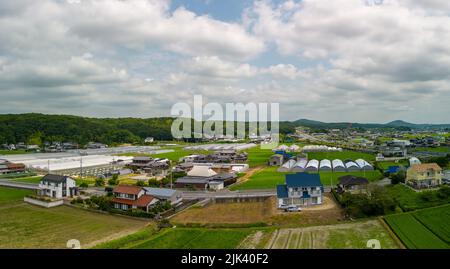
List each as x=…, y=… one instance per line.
x=413, y=161
x=313, y=166
x=300, y=166
x=283, y=147
x=338, y=166
x=364, y=165
x=352, y=166
x=325, y=166
x=294, y=148
x=201, y=171
x=286, y=167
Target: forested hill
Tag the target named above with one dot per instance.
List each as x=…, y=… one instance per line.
x=36, y=128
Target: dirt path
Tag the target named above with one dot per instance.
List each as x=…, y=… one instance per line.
x=250, y=172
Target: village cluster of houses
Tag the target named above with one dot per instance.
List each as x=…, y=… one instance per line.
x=221, y=156
x=150, y=166
x=58, y=187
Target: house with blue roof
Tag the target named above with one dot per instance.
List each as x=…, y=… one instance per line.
x=300, y=189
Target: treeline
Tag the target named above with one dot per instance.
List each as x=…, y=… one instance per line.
x=39, y=128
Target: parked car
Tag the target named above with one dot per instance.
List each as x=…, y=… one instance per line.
x=292, y=208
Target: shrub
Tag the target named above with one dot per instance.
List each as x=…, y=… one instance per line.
x=140, y=183
x=84, y=185
x=99, y=182
x=153, y=182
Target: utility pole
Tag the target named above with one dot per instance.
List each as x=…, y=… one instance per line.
x=81, y=166
x=48, y=166
x=171, y=174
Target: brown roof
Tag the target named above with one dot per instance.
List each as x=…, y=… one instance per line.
x=425, y=166
x=15, y=165
x=143, y=201
x=128, y=189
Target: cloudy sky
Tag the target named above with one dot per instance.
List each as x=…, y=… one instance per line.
x=339, y=60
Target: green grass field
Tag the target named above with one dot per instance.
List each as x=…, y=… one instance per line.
x=269, y=178
x=438, y=149
x=34, y=180
x=409, y=199
x=8, y=195
x=196, y=238
x=27, y=226
x=343, y=155
x=414, y=234
x=12, y=152
x=437, y=220
x=173, y=156
x=385, y=165
x=258, y=156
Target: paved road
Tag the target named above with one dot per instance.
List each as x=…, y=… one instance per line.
x=227, y=194
x=18, y=185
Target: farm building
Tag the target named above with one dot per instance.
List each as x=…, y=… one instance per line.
x=338, y=166
x=276, y=160
x=201, y=171
x=413, y=161
x=300, y=166
x=364, y=165
x=312, y=166
x=325, y=166
x=7, y=167
x=294, y=148
x=301, y=189
x=287, y=166
x=352, y=166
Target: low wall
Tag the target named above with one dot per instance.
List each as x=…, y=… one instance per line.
x=43, y=203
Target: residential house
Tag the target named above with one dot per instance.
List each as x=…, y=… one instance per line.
x=352, y=184
x=204, y=177
x=149, y=140
x=163, y=194
x=424, y=175
x=132, y=197
x=57, y=186
x=301, y=189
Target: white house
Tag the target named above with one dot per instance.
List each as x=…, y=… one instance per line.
x=57, y=186
x=149, y=140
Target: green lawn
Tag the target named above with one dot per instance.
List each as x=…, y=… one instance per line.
x=9, y=195
x=196, y=238
x=437, y=220
x=269, y=178
x=342, y=155
x=413, y=233
x=27, y=226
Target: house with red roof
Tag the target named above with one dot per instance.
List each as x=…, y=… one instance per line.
x=132, y=197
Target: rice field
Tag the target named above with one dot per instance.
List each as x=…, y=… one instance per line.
x=424, y=229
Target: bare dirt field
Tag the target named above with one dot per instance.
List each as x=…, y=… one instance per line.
x=228, y=213
x=341, y=236
x=256, y=212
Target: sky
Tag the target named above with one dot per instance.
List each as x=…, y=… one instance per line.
x=341, y=60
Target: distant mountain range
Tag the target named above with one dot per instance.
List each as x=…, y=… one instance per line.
x=393, y=124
